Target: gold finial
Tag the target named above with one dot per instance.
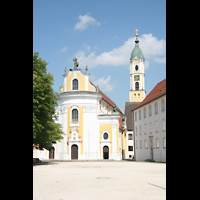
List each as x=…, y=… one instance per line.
x=136, y=32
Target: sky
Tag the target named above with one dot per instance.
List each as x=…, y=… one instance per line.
x=101, y=35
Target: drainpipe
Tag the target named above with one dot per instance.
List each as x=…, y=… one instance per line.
x=123, y=126
x=134, y=135
x=122, y=144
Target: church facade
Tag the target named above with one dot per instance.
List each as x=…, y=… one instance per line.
x=89, y=119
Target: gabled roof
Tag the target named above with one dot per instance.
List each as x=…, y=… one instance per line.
x=158, y=91
x=129, y=106
x=107, y=99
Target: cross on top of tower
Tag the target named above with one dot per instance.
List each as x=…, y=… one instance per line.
x=136, y=32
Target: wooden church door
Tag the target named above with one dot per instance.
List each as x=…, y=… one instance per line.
x=74, y=152
x=51, y=153
x=105, y=152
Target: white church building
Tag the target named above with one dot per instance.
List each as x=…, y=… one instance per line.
x=89, y=119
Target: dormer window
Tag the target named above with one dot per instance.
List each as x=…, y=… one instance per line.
x=75, y=84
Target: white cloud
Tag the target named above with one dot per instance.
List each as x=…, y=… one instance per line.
x=63, y=49
x=104, y=84
x=153, y=49
x=160, y=60
x=86, y=46
x=85, y=21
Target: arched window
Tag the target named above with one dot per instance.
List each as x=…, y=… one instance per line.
x=136, y=67
x=136, y=85
x=74, y=115
x=75, y=84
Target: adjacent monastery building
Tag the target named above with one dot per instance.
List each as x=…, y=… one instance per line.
x=149, y=120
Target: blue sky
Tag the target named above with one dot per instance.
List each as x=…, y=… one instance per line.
x=101, y=35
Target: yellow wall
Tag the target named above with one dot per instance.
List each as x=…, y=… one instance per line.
x=105, y=127
x=69, y=79
x=90, y=86
x=125, y=147
x=142, y=95
x=80, y=129
x=117, y=136
x=81, y=80
x=123, y=140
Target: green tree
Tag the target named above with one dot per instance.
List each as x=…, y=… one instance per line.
x=45, y=130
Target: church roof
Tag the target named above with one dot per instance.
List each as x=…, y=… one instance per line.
x=129, y=106
x=158, y=91
x=137, y=51
x=107, y=99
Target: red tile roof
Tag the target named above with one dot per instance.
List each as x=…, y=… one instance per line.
x=107, y=99
x=158, y=91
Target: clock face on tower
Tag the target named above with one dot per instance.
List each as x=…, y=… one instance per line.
x=136, y=77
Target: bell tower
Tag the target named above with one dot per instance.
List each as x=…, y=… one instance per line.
x=137, y=91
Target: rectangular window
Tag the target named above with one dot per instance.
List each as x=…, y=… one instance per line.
x=145, y=144
x=164, y=142
x=163, y=105
x=157, y=143
x=140, y=129
x=144, y=112
x=150, y=111
x=145, y=128
x=140, y=144
x=156, y=108
x=163, y=125
x=140, y=114
x=156, y=126
x=130, y=148
x=150, y=127
x=130, y=136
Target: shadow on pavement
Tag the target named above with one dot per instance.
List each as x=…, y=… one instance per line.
x=44, y=163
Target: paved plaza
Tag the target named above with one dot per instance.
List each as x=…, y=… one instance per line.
x=115, y=180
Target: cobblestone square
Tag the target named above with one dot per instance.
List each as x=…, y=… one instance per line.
x=97, y=180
